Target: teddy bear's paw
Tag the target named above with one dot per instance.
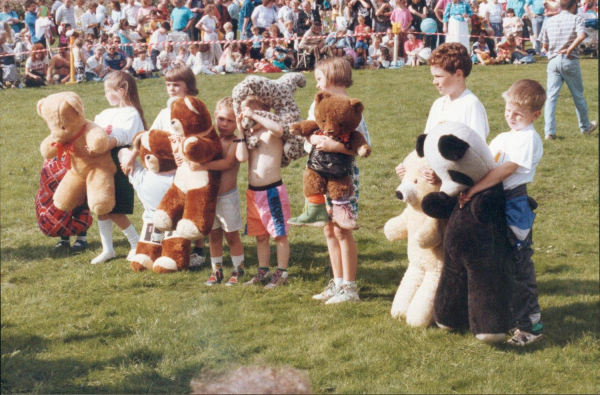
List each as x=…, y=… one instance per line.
x=364, y=151
x=491, y=337
x=187, y=230
x=162, y=221
x=398, y=312
x=295, y=129
x=141, y=262
x=164, y=264
x=418, y=320
x=188, y=141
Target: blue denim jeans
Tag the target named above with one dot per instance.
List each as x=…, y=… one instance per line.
x=536, y=25
x=562, y=69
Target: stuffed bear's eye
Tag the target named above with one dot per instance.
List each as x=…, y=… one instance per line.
x=148, y=157
x=63, y=128
x=173, y=122
x=415, y=181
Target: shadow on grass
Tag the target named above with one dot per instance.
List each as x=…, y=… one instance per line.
x=24, y=370
x=37, y=252
x=568, y=287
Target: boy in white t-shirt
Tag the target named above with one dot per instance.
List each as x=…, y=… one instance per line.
x=517, y=154
x=450, y=65
x=142, y=64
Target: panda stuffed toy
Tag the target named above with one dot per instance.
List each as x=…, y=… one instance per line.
x=474, y=288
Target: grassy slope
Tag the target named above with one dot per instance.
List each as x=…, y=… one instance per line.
x=71, y=327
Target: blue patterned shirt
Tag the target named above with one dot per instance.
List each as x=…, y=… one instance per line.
x=456, y=11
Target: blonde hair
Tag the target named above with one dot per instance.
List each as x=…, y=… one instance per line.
x=185, y=75
x=121, y=80
x=225, y=103
x=228, y=26
x=337, y=71
x=528, y=94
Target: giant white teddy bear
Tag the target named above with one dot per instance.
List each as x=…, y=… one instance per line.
x=414, y=298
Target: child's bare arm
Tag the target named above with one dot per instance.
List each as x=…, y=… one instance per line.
x=241, y=151
x=272, y=126
x=221, y=164
x=494, y=177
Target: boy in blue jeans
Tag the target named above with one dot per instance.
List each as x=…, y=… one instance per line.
x=517, y=154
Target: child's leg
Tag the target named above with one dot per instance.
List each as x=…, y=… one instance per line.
x=105, y=226
x=335, y=253
x=128, y=230
x=215, y=240
x=348, y=252
x=263, y=251
x=235, y=243
x=283, y=252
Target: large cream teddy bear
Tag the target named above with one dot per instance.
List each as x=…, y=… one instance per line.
x=83, y=146
x=414, y=298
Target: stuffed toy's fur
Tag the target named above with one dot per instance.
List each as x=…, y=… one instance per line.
x=279, y=95
x=163, y=252
x=190, y=203
x=414, y=298
x=330, y=172
x=70, y=133
x=475, y=283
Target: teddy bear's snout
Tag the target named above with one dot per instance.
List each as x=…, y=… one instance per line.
x=407, y=194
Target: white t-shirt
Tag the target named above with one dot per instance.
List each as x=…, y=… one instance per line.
x=158, y=38
x=265, y=16
x=37, y=66
x=87, y=19
x=285, y=14
x=495, y=11
x=482, y=9
x=42, y=26
x=524, y=148
x=139, y=64
x=466, y=109
x=101, y=14
x=92, y=63
x=131, y=13
x=163, y=119
x=229, y=36
x=150, y=188
x=125, y=121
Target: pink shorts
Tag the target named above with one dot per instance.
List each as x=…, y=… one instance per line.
x=268, y=210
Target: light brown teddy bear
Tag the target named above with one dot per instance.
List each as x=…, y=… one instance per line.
x=190, y=204
x=84, y=147
x=331, y=172
x=414, y=298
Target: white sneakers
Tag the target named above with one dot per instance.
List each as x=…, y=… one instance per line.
x=334, y=294
x=593, y=126
x=103, y=257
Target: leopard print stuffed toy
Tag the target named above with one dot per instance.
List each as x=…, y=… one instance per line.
x=279, y=95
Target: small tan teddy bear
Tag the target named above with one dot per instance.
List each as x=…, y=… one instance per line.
x=414, y=298
x=84, y=147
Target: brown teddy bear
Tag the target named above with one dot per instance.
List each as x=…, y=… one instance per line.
x=84, y=146
x=190, y=203
x=330, y=172
x=151, y=182
x=425, y=248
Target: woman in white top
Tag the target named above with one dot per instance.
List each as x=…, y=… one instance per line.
x=122, y=122
x=208, y=25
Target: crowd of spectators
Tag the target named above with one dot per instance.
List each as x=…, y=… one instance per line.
x=149, y=37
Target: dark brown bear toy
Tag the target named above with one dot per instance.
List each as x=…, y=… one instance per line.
x=330, y=173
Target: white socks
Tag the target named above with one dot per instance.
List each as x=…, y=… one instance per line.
x=216, y=263
x=132, y=236
x=338, y=281
x=237, y=260
x=349, y=283
x=106, y=235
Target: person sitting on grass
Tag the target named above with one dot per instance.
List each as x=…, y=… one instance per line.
x=517, y=154
x=481, y=51
x=142, y=64
x=60, y=67
x=35, y=67
x=412, y=47
x=96, y=69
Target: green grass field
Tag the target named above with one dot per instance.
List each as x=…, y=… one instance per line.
x=70, y=327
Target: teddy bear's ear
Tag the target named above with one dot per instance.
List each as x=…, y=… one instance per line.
x=321, y=96
x=75, y=101
x=137, y=141
x=39, y=106
x=452, y=148
x=421, y=145
x=357, y=105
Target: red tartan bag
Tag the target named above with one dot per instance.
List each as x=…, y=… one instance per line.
x=52, y=221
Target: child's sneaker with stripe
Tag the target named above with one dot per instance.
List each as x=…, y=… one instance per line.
x=330, y=291
x=215, y=278
x=279, y=278
x=235, y=277
x=262, y=277
x=346, y=293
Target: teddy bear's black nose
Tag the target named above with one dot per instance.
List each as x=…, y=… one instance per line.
x=399, y=195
